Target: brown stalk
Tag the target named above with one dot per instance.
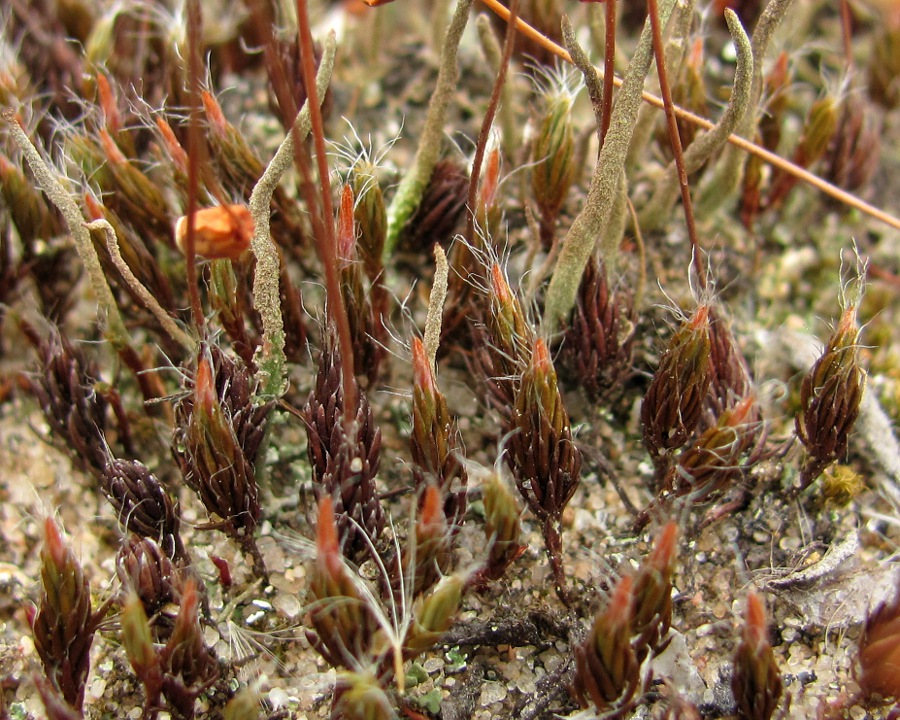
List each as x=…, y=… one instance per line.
x=493, y=104
x=194, y=143
x=675, y=138
x=767, y=156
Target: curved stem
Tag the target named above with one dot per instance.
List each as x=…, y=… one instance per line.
x=266, y=296
x=488, y=120
x=151, y=303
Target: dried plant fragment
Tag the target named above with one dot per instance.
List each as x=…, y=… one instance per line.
x=64, y=624
x=830, y=397
x=756, y=680
x=344, y=467
x=607, y=672
x=543, y=457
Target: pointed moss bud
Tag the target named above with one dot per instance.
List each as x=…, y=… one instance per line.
x=174, y=152
x=502, y=344
x=188, y=666
x=821, y=123
x=553, y=155
x=502, y=528
x=146, y=571
x=433, y=615
x=855, y=151
x=64, y=387
x=27, y=210
x=217, y=437
x=488, y=212
x=597, y=346
x=884, y=66
x=441, y=209
x=141, y=504
x=756, y=680
x=543, y=457
x=371, y=217
x=240, y=165
x=435, y=440
x=651, y=600
x=367, y=351
x=228, y=298
x=359, y=696
x=344, y=467
x=243, y=706
x=710, y=466
x=777, y=94
x=830, y=397
x=878, y=672
x=64, y=624
x=428, y=556
x=607, y=672
x=509, y=328
x=346, y=230
x=139, y=646
x=673, y=405
x=730, y=379
x=137, y=196
x=342, y=626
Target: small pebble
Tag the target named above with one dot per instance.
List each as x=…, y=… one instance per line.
x=492, y=692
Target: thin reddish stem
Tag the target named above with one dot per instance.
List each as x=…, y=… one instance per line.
x=847, y=32
x=194, y=21
x=324, y=228
x=675, y=138
x=481, y=146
